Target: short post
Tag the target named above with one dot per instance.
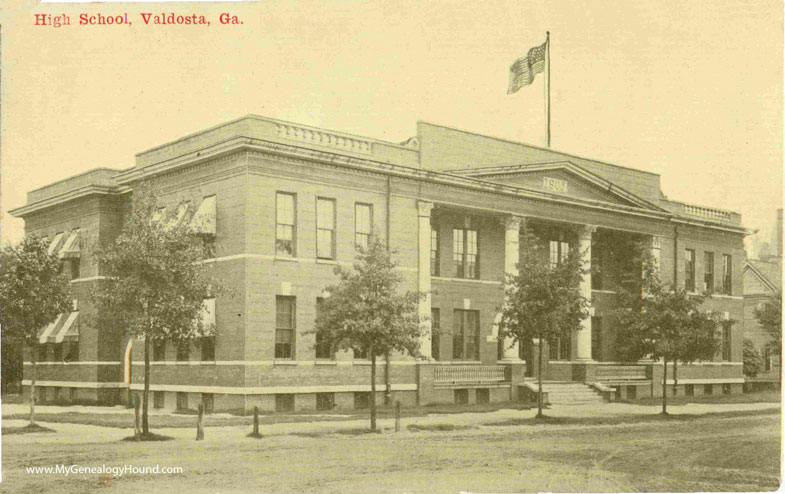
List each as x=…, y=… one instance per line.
x=200, y=423
x=397, y=416
x=137, y=419
x=256, y=421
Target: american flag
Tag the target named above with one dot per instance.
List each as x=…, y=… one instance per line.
x=523, y=70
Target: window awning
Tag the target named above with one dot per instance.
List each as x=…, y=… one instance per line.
x=71, y=248
x=54, y=243
x=203, y=220
x=178, y=218
x=49, y=330
x=70, y=330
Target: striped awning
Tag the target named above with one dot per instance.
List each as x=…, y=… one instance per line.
x=71, y=248
x=49, y=330
x=54, y=243
x=203, y=220
x=70, y=329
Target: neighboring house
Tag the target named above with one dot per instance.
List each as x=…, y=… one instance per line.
x=289, y=202
x=762, y=280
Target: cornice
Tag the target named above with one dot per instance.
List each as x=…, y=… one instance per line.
x=61, y=198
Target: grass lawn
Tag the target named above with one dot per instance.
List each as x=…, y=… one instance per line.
x=757, y=397
x=717, y=452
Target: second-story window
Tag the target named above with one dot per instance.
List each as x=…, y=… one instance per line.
x=284, y=327
x=325, y=228
x=557, y=252
x=363, y=224
x=159, y=350
x=708, y=272
x=285, y=226
x=465, y=253
x=727, y=277
x=689, y=270
x=435, y=259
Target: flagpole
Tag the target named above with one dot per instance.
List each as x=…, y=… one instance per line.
x=548, y=85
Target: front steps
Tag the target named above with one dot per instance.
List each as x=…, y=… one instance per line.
x=571, y=393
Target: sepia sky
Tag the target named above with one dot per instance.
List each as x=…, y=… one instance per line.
x=690, y=90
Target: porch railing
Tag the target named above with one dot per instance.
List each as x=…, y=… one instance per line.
x=621, y=372
x=455, y=374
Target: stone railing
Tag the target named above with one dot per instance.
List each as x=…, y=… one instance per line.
x=709, y=213
x=323, y=138
x=620, y=373
x=456, y=374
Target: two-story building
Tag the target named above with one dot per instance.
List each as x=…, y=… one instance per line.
x=288, y=202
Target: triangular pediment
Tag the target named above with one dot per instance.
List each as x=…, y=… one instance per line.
x=563, y=179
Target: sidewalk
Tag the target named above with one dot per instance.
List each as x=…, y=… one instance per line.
x=74, y=433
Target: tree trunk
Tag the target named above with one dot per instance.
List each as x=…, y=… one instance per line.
x=388, y=387
x=32, y=386
x=675, y=379
x=146, y=392
x=539, y=378
x=665, y=386
x=373, y=389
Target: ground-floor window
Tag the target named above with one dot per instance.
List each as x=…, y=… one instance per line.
x=436, y=325
x=726, y=341
x=596, y=338
x=362, y=400
x=466, y=335
x=284, y=403
x=72, y=394
x=483, y=396
x=708, y=389
x=158, y=399
x=58, y=352
x=72, y=351
x=461, y=396
x=632, y=392
x=208, y=402
x=726, y=389
x=182, y=401
x=689, y=390
x=767, y=359
x=559, y=349
x=325, y=401
x=208, y=348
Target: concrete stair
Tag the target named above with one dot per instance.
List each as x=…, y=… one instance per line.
x=571, y=394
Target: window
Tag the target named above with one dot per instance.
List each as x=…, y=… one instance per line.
x=325, y=228
x=767, y=359
x=361, y=353
x=434, y=251
x=363, y=224
x=708, y=272
x=182, y=401
x=285, y=224
x=183, y=351
x=435, y=328
x=284, y=403
x=74, y=267
x=41, y=353
x=72, y=351
x=362, y=399
x=689, y=270
x=323, y=348
x=461, y=396
x=465, y=253
x=284, y=327
x=557, y=252
x=208, y=348
x=708, y=389
x=596, y=338
x=726, y=340
x=483, y=396
x=560, y=349
x=466, y=335
x=158, y=399
x=159, y=350
x=208, y=402
x=58, y=352
x=727, y=277
x=325, y=401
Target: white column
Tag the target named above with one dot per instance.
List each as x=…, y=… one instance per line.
x=583, y=337
x=424, y=273
x=512, y=229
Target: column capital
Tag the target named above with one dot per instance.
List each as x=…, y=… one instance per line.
x=656, y=242
x=513, y=222
x=424, y=208
x=585, y=231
